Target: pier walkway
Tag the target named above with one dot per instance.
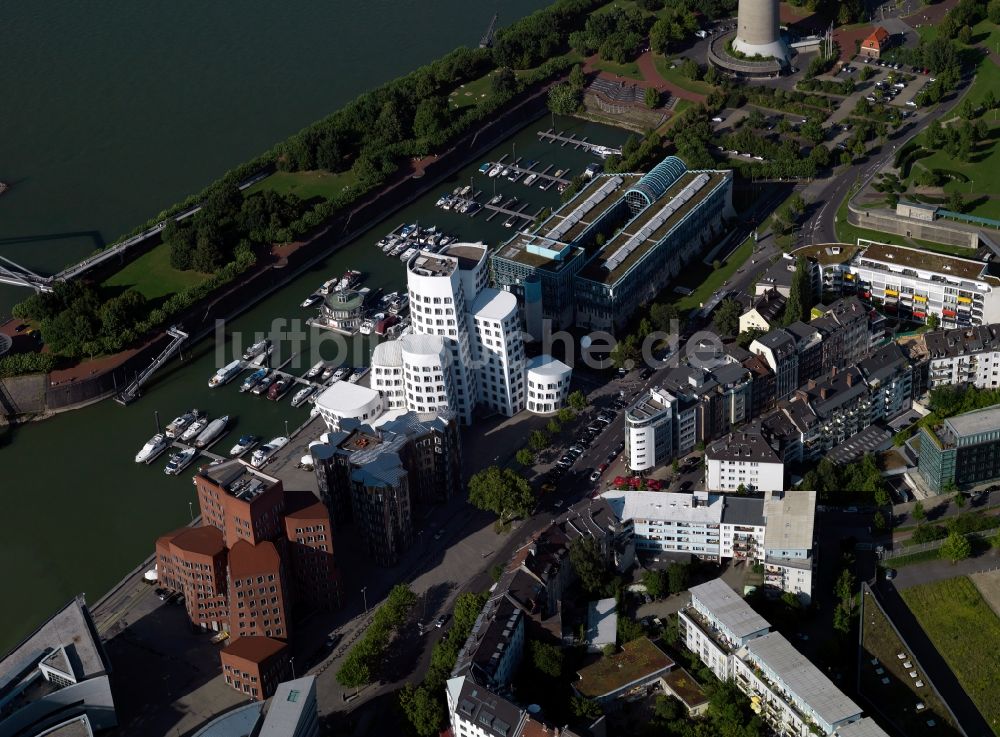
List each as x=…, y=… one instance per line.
x=550, y=136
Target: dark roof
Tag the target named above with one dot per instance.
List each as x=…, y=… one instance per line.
x=962, y=341
x=203, y=540
x=493, y=714
x=304, y=505
x=883, y=363
x=246, y=559
x=770, y=304
x=739, y=510
x=742, y=446
x=778, y=341
x=255, y=649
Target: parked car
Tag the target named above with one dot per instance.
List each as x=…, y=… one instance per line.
x=890, y=573
x=439, y=622
x=595, y=475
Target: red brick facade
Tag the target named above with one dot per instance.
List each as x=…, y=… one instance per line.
x=256, y=665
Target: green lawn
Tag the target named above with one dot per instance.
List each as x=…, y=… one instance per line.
x=705, y=281
x=966, y=631
x=470, y=93
x=897, y=698
x=152, y=275
x=674, y=76
x=628, y=69
x=306, y=184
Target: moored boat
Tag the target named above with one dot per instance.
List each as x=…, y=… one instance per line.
x=263, y=454
x=194, y=429
x=179, y=424
x=313, y=299
x=179, y=461
x=302, y=395
x=245, y=443
x=152, y=449
x=253, y=379
x=314, y=371
x=257, y=349
x=225, y=374
x=278, y=388
x=264, y=384
x=357, y=374
x=341, y=373
x=209, y=434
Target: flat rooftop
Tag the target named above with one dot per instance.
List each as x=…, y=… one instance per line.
x=71, y=629
x=285, y=709
x=975, y=422
x=790, y=521
x=647, y=229
x=637, y=660
x=800, y=677
x=467, y=254
x=925, y=261
x=729, y=608
x=239, y=478
x=666, y=505
x=649, y=405
x=827, y=253
x=429, y=264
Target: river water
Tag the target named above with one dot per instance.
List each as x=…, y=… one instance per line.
x=119, y=111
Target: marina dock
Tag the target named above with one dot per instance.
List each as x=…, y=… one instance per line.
x=550, y=136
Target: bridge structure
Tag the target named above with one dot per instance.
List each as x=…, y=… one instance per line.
x=131, y=392
x=487, y=40
x=20, y=276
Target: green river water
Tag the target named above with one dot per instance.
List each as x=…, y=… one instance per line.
x=112, y=112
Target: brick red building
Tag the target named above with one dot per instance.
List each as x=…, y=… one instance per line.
x=256, y=665
x=876, y=43
x=260, y=554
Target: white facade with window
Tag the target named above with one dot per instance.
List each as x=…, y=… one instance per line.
x=345, y=400
x=547, y=384
x=499, y=349
x=650, y=430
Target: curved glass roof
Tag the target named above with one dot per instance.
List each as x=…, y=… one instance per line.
x=653, y=184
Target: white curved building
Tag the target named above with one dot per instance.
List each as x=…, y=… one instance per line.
x=387, y=373
x=499, y=351
x=547, y=384
x=345, y=400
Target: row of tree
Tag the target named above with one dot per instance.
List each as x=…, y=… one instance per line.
x=361, y=663
x=616, y=35
x=424, y=704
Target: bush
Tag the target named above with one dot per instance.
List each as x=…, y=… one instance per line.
x=27, y=363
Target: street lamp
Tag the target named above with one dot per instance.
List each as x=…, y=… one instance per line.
x=363, y=594
x=292, y=663
x=286, y=428
x=191, y=510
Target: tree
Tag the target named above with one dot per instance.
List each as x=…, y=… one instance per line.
x=800, y=299
x=589, y=564
x=547, y=658
x=956, y=547
x=882, y=498
x=577, y=400
x=502, y=492
x=678, y=575
x=538, y=440
x=553, y=427
x=625, y=352
x=933, y=322
x=565, y=415
x=662, y=315
x=423, y=710
x=585, y=709
x=959, y=500
x=844, y=589
x=918, y=512
x=727, y=317
x=564, y=99
x=655, y=583
x=525, y=457
x=652, y=98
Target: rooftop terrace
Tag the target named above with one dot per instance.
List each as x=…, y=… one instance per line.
x=637, y=660
x=238, y=479
x=926, y=261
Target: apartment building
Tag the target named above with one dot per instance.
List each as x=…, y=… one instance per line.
x=765, y=310
x=789, y=693
x=744, y=462
x=779, y=349
x=548, y=384
x=910, y=283
x=964, y=356
x=255, y=665
x=790, y=542
x=650, y=225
